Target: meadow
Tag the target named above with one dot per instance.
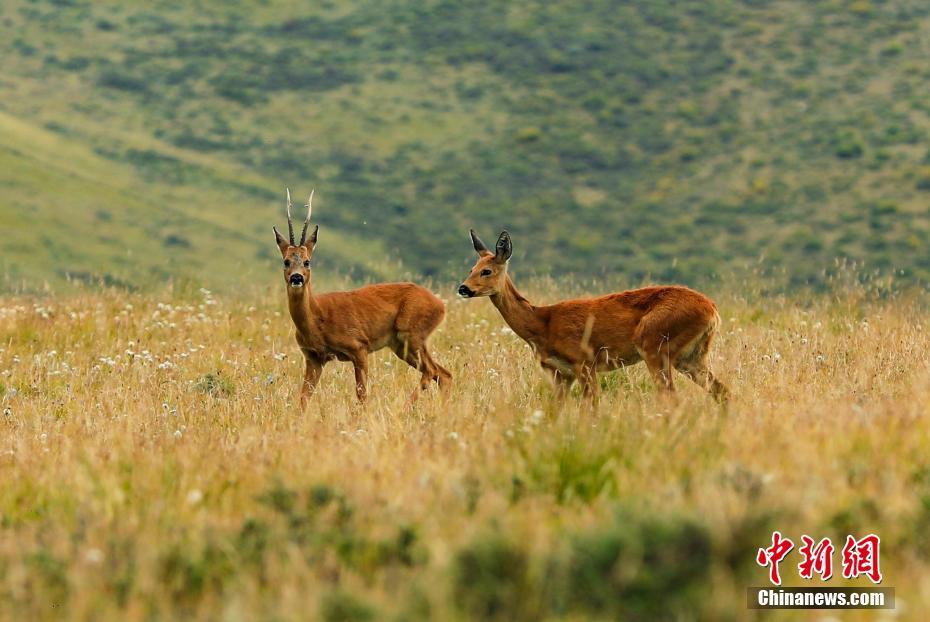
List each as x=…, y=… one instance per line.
x=154, y=459
x=156, y=466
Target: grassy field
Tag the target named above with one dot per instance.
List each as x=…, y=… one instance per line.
x=156, y=466
x=155, y=463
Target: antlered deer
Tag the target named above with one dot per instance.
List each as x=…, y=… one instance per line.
x=665, y=326
x=348, y=325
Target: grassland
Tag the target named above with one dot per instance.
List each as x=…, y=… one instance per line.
x=155, y=463
x=677, y=140
x=156, y=466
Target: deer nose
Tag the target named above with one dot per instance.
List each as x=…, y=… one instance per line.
x=296, y=279
x=465, y=291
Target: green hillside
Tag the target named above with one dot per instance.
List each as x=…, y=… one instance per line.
x=649, y=139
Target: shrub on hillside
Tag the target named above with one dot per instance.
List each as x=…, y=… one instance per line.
x=847, y=144
x=923, y=179
x=120, y=80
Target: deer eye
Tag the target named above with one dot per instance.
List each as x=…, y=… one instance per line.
x=287, y=263
x=306, y=263
x=485, y=272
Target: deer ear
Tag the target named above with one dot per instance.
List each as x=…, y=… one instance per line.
x=504, y=248
x=310, y=242
x=281, y=241
x=480, y=246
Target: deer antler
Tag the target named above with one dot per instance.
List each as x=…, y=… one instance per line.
x=290, y=225
x=303, y=234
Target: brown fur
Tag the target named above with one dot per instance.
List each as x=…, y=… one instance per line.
x=666, y=326
x=347, y=326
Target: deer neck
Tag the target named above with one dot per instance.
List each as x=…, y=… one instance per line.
x=517, y=311
x=305, y=311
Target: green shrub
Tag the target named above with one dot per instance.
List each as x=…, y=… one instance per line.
x=528, y=134
x=855, y=517
x=51, y=575
x=187, y=575
x=689, y=153
x=921, y=527
x=848, y=145
x=923, y=179
x=253, y=541
x=490, y=580
x=116, y=79
x=279, y=498
x=174, y=239
x=341, y=606
x=641, y=567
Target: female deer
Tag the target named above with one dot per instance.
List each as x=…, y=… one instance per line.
x=348, y=325
x=665, y=326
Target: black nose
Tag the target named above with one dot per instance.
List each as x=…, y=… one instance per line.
x=465, y=291
x=296, y=279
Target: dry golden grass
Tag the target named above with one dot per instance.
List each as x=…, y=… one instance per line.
x=155, y=465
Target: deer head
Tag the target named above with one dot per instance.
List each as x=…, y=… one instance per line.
x=489, y=274
x=297, y=255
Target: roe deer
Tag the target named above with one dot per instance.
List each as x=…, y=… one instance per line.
x=665, y=326
x=348, y=325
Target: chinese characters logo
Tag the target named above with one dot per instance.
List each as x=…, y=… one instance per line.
x=859, y=557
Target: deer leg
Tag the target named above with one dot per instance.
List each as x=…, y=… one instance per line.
x=705, y=379
x=418, y=359
x=587, y=375
x=427, y=372
x=657, y=359
x=441, y=375
x=692, y=362
x=312, y=373
x=360, y=362
x=698, y=371
x=413, y=330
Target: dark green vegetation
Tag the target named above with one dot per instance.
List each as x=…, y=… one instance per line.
x=639, y=566
x=649, y=139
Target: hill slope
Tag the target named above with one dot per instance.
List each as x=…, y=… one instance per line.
x=671, y=139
